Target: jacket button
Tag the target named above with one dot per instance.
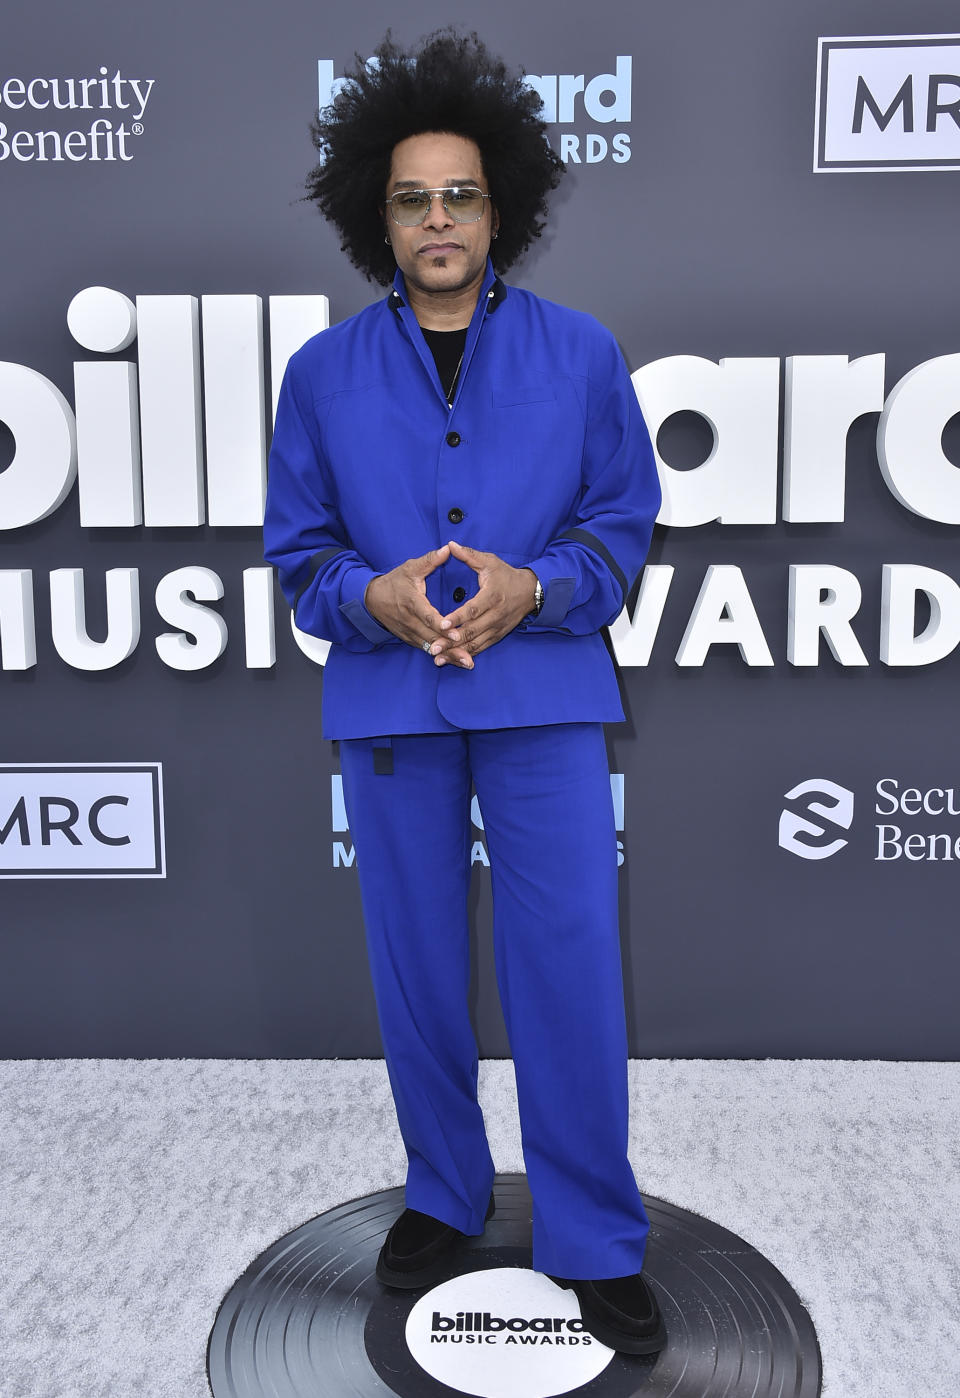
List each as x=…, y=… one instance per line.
x=459, y=593
x=455, y=515
x=453, y=439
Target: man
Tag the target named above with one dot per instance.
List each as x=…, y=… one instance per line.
x=462, y=491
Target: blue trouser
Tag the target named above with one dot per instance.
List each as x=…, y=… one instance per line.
x=544, y=795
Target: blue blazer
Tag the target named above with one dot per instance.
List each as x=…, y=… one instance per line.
x=544, y=459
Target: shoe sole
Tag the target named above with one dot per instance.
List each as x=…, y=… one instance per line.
x=620, y=1340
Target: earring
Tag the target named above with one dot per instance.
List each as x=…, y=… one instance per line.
x=387, y=240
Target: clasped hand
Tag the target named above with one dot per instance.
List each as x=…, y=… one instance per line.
x=398, y=601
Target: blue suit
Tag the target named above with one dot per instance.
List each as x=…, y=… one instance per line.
x=543, y=459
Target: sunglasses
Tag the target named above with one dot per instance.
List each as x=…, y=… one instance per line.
x=463, y=202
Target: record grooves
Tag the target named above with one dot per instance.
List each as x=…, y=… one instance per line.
x=309, y=1318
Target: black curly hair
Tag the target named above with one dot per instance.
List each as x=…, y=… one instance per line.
x=452, y=84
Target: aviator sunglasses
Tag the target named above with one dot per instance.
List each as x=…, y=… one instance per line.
x=463, y=202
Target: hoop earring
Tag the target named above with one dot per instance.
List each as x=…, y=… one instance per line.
x=386, y=239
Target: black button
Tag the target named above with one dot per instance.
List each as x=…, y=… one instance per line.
x=459, y=593
x=455, y=515
x=453, y=439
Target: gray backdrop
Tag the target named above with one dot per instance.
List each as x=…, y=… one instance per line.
x=715, y=239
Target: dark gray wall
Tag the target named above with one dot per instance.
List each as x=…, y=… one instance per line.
x=716, y=239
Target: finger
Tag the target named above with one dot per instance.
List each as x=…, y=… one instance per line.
x=421, y=637
x=471, y=614
x=482, y=640
x=461, y=658
x=474, y=558
x=482, y=637
x=423, y=566
x=423, y=614
x=486, y=619
x=471, y=641
x=430, y=644
x=440, y=645
x=420, y=630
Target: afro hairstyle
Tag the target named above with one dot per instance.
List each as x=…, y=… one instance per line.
x=451, y=84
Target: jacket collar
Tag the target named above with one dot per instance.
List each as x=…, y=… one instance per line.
x=492, y=291
x=492, y=294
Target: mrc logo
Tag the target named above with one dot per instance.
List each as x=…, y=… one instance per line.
x=888, y=103
x=79, y=820
x=574, y=105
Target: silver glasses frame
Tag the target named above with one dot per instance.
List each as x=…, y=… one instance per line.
x=443, y=191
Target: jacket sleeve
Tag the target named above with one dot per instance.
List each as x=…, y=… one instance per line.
x=588, y=570
x=322, y=577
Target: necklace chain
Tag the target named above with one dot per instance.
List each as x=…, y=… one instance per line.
x=453, y=381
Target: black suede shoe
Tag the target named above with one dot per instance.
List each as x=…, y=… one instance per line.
x=416, y=1248
x=621, y=1312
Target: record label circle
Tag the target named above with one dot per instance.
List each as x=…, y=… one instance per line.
x=504, y=1332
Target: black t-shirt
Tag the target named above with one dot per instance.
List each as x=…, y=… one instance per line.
x=447, y=348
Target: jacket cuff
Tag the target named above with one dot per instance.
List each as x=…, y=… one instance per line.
x=352, y=591
x=557, y=593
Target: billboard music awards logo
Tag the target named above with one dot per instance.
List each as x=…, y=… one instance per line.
x=173, y=435
x=81, y=820
x=36, y=114
x=504, y=1333
x=815, y=824
x=344, y=854
x=888, y=103
x=574, y=106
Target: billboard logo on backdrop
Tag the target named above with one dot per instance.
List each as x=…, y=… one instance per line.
x=888, y=103
x=572, y=102
x=29, y=106
x=832, y=805
x=574, y=106
x=174, y=435
x=81, y=820
x=344, y=854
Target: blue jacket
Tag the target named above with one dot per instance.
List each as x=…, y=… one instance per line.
x=544, y=459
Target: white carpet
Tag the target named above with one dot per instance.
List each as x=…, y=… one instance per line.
x=132, y=1195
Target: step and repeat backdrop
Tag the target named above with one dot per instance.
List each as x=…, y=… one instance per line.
x=761, y=203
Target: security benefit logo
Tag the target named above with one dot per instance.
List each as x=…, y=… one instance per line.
x=94, y=117
x=504, y=1333
x=82, y=821
x=810, y=826
x=586, y=112
x=917, y=824
x=888, y=103
x=344, y=854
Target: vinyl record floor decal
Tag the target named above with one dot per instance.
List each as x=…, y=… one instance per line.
x=308, y=1318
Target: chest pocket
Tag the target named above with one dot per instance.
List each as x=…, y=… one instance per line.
x=516, y=395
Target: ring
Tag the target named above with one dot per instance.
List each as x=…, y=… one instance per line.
x=426, y=645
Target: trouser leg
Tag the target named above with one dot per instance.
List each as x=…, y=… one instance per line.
x=411, y=831
x=544, y=795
